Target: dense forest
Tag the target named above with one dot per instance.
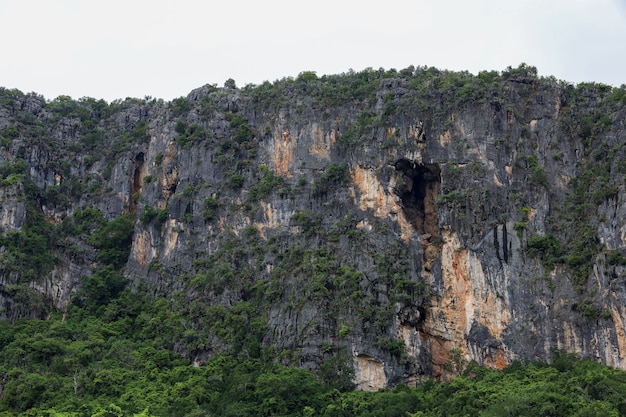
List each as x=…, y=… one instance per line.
x=117, y=359
x=377, y=243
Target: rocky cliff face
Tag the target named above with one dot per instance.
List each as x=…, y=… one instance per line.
x=411, y=221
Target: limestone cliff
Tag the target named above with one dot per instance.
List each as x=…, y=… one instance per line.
x=416, y=219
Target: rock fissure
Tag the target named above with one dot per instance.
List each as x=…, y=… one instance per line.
x=136, y=185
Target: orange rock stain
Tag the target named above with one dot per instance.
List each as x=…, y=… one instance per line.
x=284, y=144
x=321, y=142
x=372, y=196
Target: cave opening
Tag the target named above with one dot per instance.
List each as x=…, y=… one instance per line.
x=135, y=185
x=418, y=185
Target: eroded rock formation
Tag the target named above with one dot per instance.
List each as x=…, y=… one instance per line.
x=417, y=220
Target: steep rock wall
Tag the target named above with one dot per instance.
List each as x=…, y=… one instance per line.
x=422, y=220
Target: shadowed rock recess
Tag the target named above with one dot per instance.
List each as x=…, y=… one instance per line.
x=417, y=187
x=404, y=222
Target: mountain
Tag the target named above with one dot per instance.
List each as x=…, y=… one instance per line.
x=406, y=222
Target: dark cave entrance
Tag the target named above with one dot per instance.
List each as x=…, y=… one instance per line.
x=135, y=185
x=418, y=186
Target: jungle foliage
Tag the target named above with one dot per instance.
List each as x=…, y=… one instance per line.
x=123, y=362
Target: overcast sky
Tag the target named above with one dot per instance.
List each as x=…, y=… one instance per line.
x=134, y=48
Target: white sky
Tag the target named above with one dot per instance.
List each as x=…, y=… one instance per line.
x=133, y=48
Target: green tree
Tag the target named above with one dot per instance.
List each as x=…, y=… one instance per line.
x=114, y=239
x=286, y=391
x=337, y=372
x=102, y=286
